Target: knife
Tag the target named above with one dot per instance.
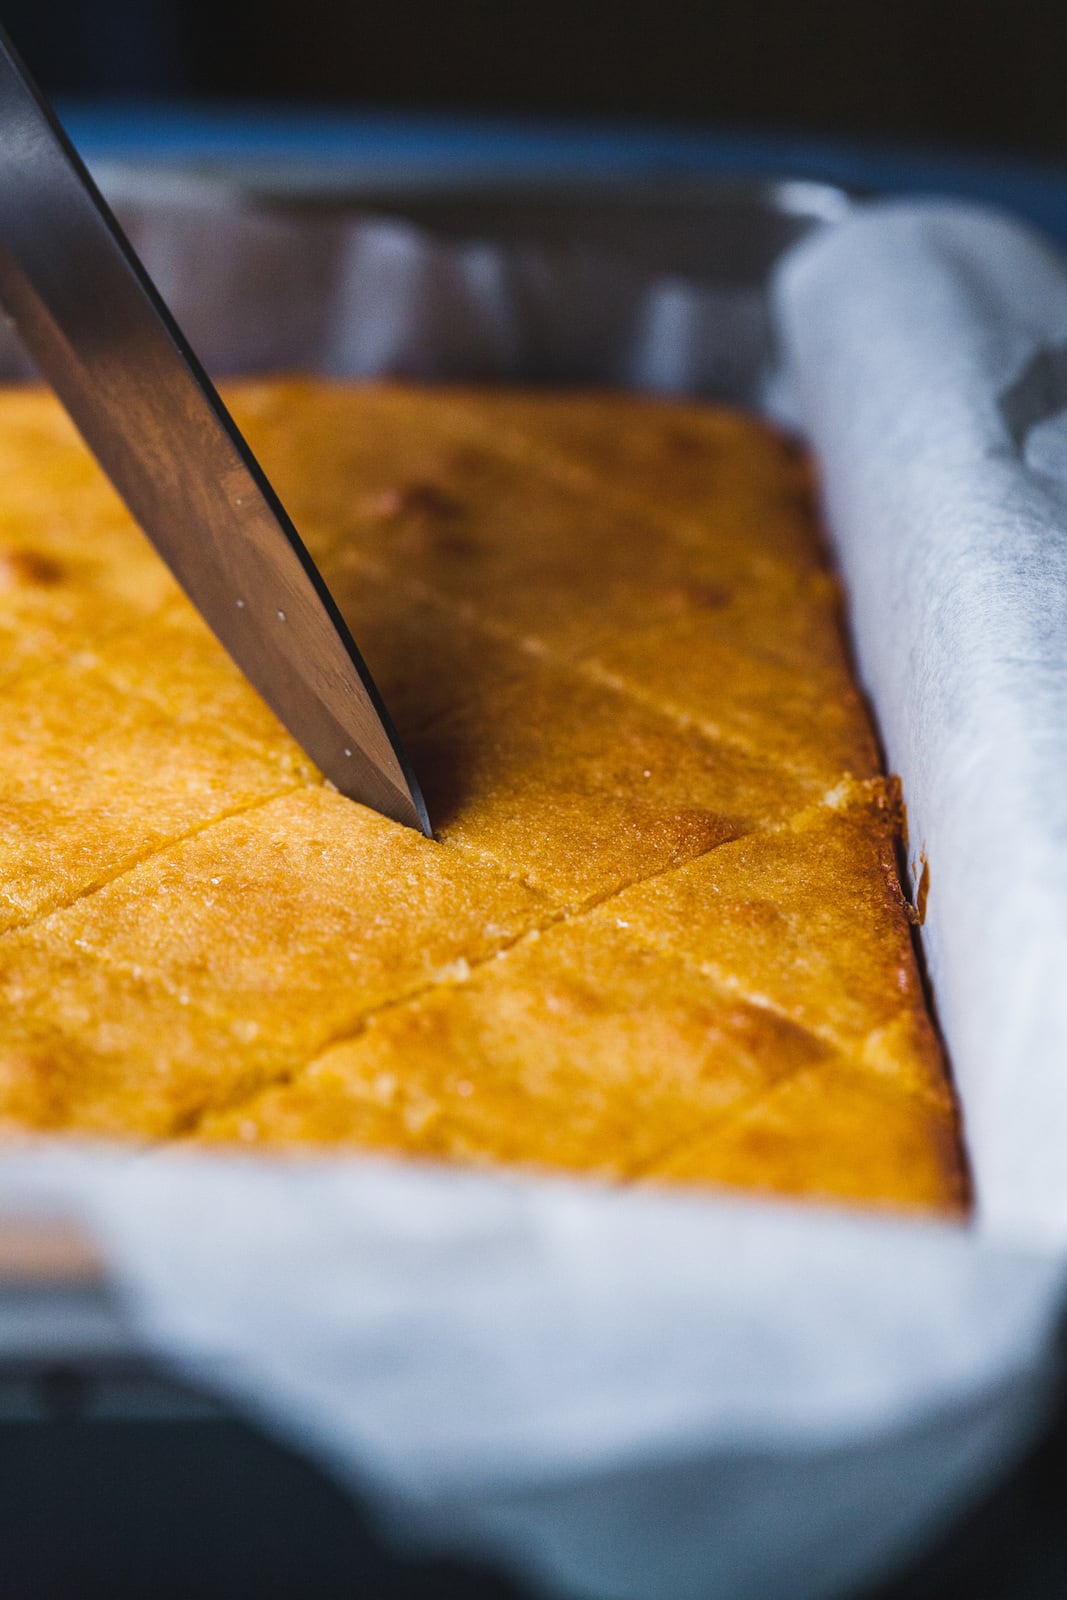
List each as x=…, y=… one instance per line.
x=99, y=332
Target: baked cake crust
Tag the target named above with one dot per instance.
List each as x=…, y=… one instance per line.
x=659, y=934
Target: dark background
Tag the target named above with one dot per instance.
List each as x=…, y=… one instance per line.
x=977, y=74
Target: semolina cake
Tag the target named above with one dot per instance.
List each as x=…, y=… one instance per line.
x=659, y=934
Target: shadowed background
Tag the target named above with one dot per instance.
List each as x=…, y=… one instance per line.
x=986, y=75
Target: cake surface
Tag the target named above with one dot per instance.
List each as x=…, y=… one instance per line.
x=659, y=934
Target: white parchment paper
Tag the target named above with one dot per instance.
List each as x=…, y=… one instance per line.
x=617, y=1394
x=930, y=350
x=646, y=1396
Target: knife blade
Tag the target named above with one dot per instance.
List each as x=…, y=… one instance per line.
x=100, y=334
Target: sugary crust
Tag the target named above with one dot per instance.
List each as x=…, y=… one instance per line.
x=659, y=935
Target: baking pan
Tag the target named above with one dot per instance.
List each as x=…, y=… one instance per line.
x=690, y=263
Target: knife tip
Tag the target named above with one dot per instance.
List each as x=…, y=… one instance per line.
x=396, y=796
x=422, y=818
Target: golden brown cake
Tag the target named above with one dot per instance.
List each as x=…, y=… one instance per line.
x=659, y=934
